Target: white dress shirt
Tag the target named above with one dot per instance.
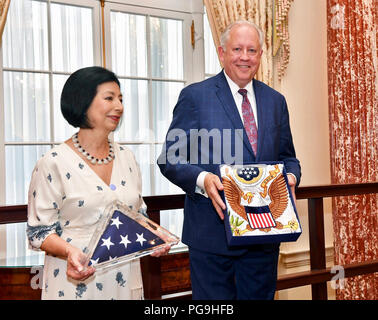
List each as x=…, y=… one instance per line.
x=238, y=98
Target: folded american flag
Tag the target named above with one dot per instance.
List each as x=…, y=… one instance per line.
x=123, y=236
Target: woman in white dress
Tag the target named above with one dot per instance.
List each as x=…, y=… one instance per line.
x=73, y=183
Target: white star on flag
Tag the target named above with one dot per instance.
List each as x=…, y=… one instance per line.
x=107, y=243
x=140, y=239
x=116, y=222
x=93, y=262
x=125, y=241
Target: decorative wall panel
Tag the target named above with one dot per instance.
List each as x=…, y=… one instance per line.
x=353, y=114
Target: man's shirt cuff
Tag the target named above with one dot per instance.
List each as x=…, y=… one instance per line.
x=200, y=184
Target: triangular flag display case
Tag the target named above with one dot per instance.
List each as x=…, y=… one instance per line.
x=124, y=234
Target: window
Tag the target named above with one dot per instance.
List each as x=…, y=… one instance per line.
x=44, y=41
x=147, y=51
x=147, y=54
x=38, y=56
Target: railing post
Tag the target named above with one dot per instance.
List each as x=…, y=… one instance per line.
x=317, y=245
x=151, y=268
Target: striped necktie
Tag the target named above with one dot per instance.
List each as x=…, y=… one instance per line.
x=249, y=121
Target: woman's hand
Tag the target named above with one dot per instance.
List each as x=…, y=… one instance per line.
x=76, y=269
x=75, y=264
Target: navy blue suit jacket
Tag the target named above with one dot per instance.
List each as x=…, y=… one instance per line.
x=209, y=105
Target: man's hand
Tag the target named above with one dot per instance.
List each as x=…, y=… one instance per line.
x=161, y=252
x=292, y=182
x=212, y=186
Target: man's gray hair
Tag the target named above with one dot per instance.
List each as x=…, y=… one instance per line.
x=226, y=33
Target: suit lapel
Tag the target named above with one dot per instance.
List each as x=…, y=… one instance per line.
x=260, y=117
x=224, y=95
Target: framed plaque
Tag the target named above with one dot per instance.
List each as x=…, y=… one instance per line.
x=259, y=204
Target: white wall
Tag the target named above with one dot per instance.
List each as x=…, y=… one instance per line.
x=305, y=87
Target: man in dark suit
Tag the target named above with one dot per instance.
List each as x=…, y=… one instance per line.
x=214, y=122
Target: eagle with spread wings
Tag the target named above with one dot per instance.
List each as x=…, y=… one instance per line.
x=277, y=193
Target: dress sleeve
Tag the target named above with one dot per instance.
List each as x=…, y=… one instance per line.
x=45, y=199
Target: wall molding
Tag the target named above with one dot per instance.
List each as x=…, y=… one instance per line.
x=301, y=258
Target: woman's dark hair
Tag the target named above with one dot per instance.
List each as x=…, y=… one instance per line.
x=79, y=91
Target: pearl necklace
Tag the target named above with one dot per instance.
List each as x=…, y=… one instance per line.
x=91, y=158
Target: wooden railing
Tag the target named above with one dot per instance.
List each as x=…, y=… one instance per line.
x=170, y=274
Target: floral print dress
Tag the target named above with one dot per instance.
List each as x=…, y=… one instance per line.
x=67, y=197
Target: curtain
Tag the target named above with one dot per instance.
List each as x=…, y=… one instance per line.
x=264, y=13
x=4, y=6
x=281, y=46
x=353, y=114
